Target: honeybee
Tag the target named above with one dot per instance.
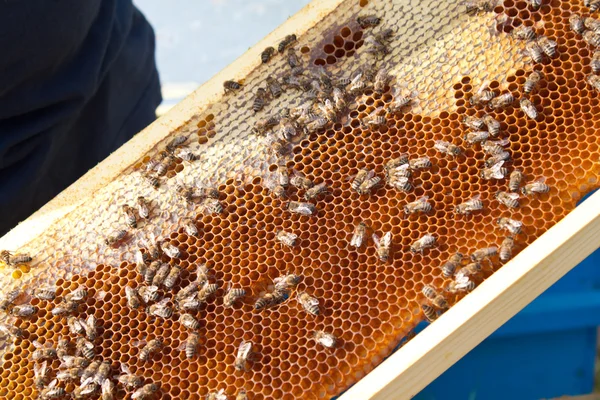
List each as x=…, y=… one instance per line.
x=285, y=282
x=534, y=51
x=440, y=302
x=339, y=99
x=474, y=123
x=400, y=183
x=270, y=299
x=85, y=348
x=400, y=101
x=429, y=292
x=504, y=100
x=145, y=391
x=102, y=372
x=187, y=155
x=9, y=299
x=232, y=295
x=368, y=21
x=298, y=207
x=151, y=180
x=207, y=290
x=77, y=295
x=62, y=347
x=496, y=158
x=266, y=55
x=594, y=80
x=287, y=238
x=510, y=200
x=243, y=354
x=548, y=45
x=492, y=125
x=496, y=171
x=421, y=205
x=52, y=391
x=464, y=284
x=115, y=237
x=161, y=309
x=429, y=312
x=90, y=371
x=317, y=124
x=383, y=246
x=482, y=96
x=506, y=249
x=315, y=191
x=164, y=165
x=76, y=325
x=373, y=120
x=11, y=330
x=481, y=254
x=151, y=346
x=292, y=58
x=220, y=395
x=468, y=270
x=274, y=87
x=263, y=125
x=201, y=278
x=594, y=5
x=510, y=225
x=423, y=243
x=172, y=277
x=476, y=137
x=259, y=99
x=359, y=178
x=65, y=307
x=44, y=292
x=450, y=266
x=577, y=23
x=492, y=148
x=595, y=63
x=42, y=352
x=14, y=259
x=528, y=108
x=75, y=361
x=535, y=187
x=189, y=321
x=532, y=82
x=142, y=207
x=310, y=303
x=152, y=247
x=23, y=310
x=325, y=339
x=469, y=206
x=592, y=24
x=161, y=274
x=170, y=250
x=381, y=80
x=515, y=179
x=359, y=236
x=371, y=183
x=40, y=373
x=447, y=148
x=212, y=206
x=151, y=271
x=130, y=218
x=190, y=303
x=188, y=291
x=107, y=390
x=419, y=163
x=133, y=300
x=523, y=32
x=231, y=86
x=176, y=142
x=289, y=39
x=241, y=395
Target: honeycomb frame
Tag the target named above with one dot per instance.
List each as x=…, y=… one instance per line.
x=434, y=116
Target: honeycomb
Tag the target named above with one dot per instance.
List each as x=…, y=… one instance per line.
x=441, y=56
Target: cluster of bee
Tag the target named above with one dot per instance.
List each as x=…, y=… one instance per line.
x=207, y=198
x=156, y=168
x=589, y=28
x=473, y=7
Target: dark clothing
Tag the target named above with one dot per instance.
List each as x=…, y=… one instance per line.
x=77, y=80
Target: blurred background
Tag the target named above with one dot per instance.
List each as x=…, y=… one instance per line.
x=195, y=39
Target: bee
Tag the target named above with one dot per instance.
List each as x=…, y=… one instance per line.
x=594, y=80
x=130, y=218
x=494, y=147
x=266, y=55
x=510, y=225
x=133, y=301
x=220, y=395
x=115, y=237
x=400, y=101
x=474, y=123
x=187, y=155
x=77, y=295
x=76, y=325
x=339, y=99
x=42, y=352
x=504, y=100
x=328, y=110
x=102, y=372
x=107, y=388
x=482, y=96
x=24, y=310
x=381, y=80
x=547, y=45
x=151, y=271
x=492, y=125
x=189, y=226
x=161, y=309
x=276, y=189
x=359, y=178
x=310, y=304
x=377, y=48
x=429, y=292
x=317, y=124
x=259, y=99
x=476, y=137
x=534, y=51
x=315, y=191
x=440, y=302
x=11, y=330
x=85, y=348
x=241, y=395
x=52, y=391
x=496, y=158
x=74, y=361
x=86, y=388
x=469, y=270
x=152, y=247
x=383, y=246
x=176, y=142
x=244, y=351
x=287, y=238
x=151, y=180
x=368, y=21
x=429, y=312
x=528, y=108
x=595, y=63
x=535, y=4
x=164, y=165
x=594, y=5
x=90, y=371
x=145, y=391
x=232, y=295
x=231, y=86
x=325, y=339
x=14, y=259
x=288, y=40
x=191, y=345
x=285, y=282
x=592, y=24
x=496, y=171
x=371, y=183
x=65, y=307
x=535, y=187
x=400, y=182
x=62, y=347
x=419, y=163
x=423, y=243
x=172, y=277
x=263, y=125
x=206, y=291
x=469, y=206
x=359, y=236
x=523, y=32
x=201, y=278
x=274, y=87
x=464, y=284
x=506, y=249
x=189, y=321
x=292, y=59
x=45, y=292
x=373, y=120
x=450, y=266
x=421, y=205
x=189, y=290
x=298, y=207
x=151, y=346
x=577, y=24
x=161, y=274
x=510, y=200
x=191, y=303
x=270, y=299
x=9, y=299
x=142, y=207
x=170, y=249
x=481, y=254
x=212, y=206
x=515, y=179
x=40, y=373
x=532, y=82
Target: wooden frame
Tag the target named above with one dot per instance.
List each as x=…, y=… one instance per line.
x=443, y=343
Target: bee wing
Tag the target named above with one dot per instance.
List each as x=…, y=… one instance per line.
x=513, y=196
x=163, y=302
x=90, y=321
x=244, y=349
x=153, y=289
x=107, y=386
x=423, y=199
x=484, y=85
x=37, y=344
x=87, y=381
x=139, y=343
x=125, y=369
x=387, y=239
x=298, y=173
x=100, y=295
x=496, y=170
x=502, y=142
x=477, y=196
x=312, y=301
x=540, y=180
x=38, y=368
